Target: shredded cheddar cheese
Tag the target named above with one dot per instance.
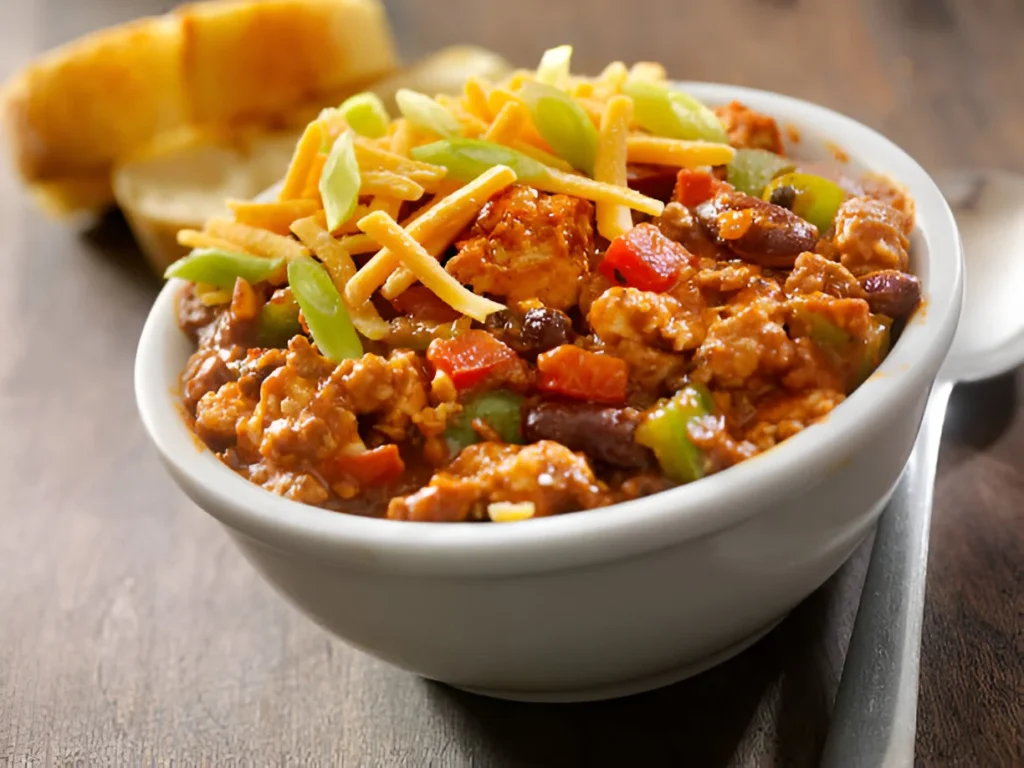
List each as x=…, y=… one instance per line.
x=425, y=267
x=391, y=184
x=275, y=217
x=338, y=262
x=306, y=150
x=255, y=240
x=581, y=186
x=655, y=150
x=613, y=219
x=510, y=511
x=192, y=238
x=439, y=225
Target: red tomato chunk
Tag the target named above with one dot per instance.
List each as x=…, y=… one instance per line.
x=693, y=187
x=574, y=372
x=644, y=258
x=468, y=358
x=378, y=466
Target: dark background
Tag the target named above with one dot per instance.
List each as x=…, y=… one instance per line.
x=132, y=631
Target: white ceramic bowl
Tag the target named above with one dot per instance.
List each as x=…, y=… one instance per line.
x=612, y=601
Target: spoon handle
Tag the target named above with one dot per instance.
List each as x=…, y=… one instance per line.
x=874, y=720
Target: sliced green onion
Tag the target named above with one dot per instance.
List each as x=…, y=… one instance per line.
x=221, y=268
x=554, y=66
x=671, y=113
x=325, y=313
x=751, y=169
x=340, y=181
x=426, y=114
x=563, y=124
x=466, y=159
x=365, y=114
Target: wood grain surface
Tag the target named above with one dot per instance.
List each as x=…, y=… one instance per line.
x=132, y=632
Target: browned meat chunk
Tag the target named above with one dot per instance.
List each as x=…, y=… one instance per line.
x=604, y=434
x=308, y=407
x=592, y=286
x=756, y=230
x=219, y=415
x=647, y=330
x=894, y=195
x=207, y=370
x=870, y=236
x=816, y=274
x=257, y=365
x=297, y=486
x=748, y=129
x=782, y=415
x=528, y=245
x=892, y=293
x=850, y=315
x=546, y=474
x=654, y=319
x=750, y=344
x=193, y=314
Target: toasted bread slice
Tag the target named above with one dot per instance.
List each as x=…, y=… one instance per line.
x=70, y=114
x=78, y=110
x=249, y=61
x=180, y=181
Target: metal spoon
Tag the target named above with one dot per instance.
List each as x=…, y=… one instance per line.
x=874, y=720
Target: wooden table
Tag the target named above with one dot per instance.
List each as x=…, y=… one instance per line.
x=132, y=631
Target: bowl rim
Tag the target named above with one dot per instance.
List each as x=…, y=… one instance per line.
x=622, y=530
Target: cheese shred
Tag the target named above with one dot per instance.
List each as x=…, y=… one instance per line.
x=613, y=219
x=426, y=268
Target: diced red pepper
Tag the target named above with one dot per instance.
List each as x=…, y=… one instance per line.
x=468, y=358
x=377, y=466
x=574, y=372
x=693, y=187
x=644, y=258
x=420, y=303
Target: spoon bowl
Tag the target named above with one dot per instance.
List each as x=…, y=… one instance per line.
x=989, y=208
x=875, y=714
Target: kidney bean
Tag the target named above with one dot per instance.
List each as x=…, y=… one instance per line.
x=604, y=434
x=539, y=330
x=655, y=181
x=764, y=234
x=891, y=292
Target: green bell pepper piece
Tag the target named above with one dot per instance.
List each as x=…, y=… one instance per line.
x=751, y=169
x=279, y=320
x=221, y=268
x=856, y=358
x=816, y=199
x=874, y=348
x=325, y=313
x=501, y=410
x=665, y=431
